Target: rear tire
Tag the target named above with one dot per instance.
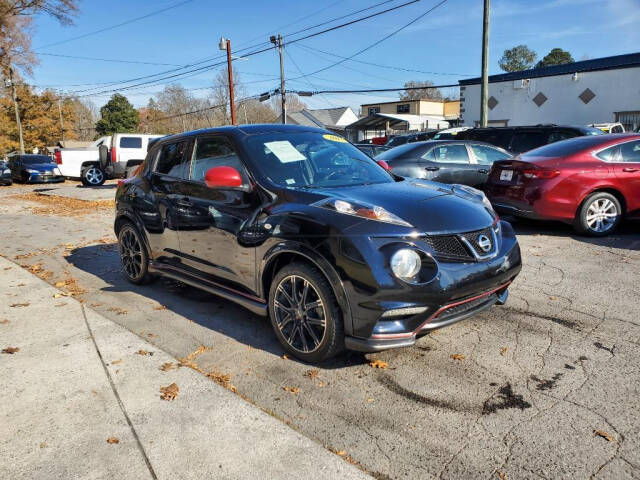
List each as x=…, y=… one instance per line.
x=134, y=257
x=599, y=215
x=93, y=176
x=304, y=313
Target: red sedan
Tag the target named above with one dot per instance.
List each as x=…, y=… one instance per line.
x=590, y=182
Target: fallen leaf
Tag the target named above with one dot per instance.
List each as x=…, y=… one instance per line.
x=169, y=392
x=144, y=352
x=43, y=445
x=605, y=435
x=342, y=453
x=378, y=364
x=311, y=374
x=503, y=351
x=553, y=298
x=222, y=379
x=4, y=322
x=117, y=310
x=61, y=294
x=13, y=305
x=371, y=400
x=113, y=440
x=10, y=350
x=502, y=475
x=116, y=362
x=160, y=307
x=168, y=366
x=285, y=357
x=457, y=356
x=293, y=390
x=61, y=304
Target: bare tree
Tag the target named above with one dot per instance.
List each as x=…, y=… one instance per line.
x=294, y=104
x=420, y=90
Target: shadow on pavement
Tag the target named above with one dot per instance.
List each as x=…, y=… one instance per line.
x=201, y=307
x=106, y=186
x=626, y=237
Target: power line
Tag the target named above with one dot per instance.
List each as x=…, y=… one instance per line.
x=374, y=90
x=108, y=60
x=127, y=22
x=306, y=79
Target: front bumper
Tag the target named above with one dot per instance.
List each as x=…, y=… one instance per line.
x=40, y=178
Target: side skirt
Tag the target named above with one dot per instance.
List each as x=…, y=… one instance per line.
x=253, y=304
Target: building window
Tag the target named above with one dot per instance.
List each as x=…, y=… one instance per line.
x=402, y=108
x=374, y=110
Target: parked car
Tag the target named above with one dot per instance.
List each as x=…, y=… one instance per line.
x=447, y=161
x=338, y=252
x=109, y=157
x=371, y=150
x=589, y=182
x=5, y=173
x=32, y=168
x=410, y=138
x=609, y=127
x=523, y=139
x=449, y=133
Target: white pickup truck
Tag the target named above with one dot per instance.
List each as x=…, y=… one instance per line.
x=107, y=157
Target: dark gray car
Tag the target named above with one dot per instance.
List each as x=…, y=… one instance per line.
x=446, y=161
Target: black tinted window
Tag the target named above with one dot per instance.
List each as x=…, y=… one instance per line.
x=130, y=142
x=214, y=152
x=500, y=138
x=172, y=160
x=448, y=154
x=525, y=141
x=556, y=136
x=35, y=159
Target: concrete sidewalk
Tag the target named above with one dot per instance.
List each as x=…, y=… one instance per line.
x=77, y=380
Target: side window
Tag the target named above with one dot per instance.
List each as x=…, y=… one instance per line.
x=487, y=155
x=130, y=142
x=172, y=160
x=448, y=154
x=556, y=136
x=214, y=152
x=611, y=154
x=402, y=108
x=525, y=141
x=630, y=152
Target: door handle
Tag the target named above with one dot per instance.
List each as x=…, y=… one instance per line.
x=432, y=169
x=630, y=169
x=483, y=170
x=184, y=203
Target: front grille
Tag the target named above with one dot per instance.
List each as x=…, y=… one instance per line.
x=466, y=307
x=447, y=246
x=473, y=238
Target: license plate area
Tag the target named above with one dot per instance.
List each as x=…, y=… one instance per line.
x=506, y=175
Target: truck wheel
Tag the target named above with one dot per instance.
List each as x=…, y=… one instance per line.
x=93, y=176
x=304, y=313
x=103, y=155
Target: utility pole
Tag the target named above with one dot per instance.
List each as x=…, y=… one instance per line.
x=484, y=93
x=278, y=42
x=225, y=44
x=61, y=119
x=14, y=96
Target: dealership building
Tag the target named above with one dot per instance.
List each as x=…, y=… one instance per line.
x=581, y=93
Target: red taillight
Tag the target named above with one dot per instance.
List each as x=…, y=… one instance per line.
x=540, y=173
x=114, y=157
x=58, y=157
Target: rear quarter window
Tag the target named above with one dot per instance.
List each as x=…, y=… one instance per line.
x=130, y=142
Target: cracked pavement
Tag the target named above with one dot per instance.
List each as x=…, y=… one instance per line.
x=538, y=378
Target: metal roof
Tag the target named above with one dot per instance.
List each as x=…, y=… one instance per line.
x=605, y=63
x=393, y=119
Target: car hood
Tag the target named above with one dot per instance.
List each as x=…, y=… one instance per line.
x=41, y=167
x=430, y=207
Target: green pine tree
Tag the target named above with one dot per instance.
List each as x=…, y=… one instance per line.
x=117, y=116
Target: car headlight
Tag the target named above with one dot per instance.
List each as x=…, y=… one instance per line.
x=405, y=263
x=475, y=194
x=6, y=170
x=30, y=170
x=369, y=212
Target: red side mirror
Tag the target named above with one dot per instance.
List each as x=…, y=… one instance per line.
x=223, y=177
x=384, y=165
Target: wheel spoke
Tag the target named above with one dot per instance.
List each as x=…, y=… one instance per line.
x=305, y=291
x=312, y=305
x=313, y=335
x=286, y=295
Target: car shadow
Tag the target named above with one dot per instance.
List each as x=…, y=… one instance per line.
x=106, y=186
x=625, y=237
x=198, y=306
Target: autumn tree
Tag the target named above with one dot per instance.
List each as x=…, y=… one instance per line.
x=420, y=90
x=557, y=56
x=517, y=59
x=117, y=116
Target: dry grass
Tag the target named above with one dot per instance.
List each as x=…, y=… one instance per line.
x=65, y=206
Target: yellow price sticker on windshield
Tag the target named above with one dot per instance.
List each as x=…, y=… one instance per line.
x=334, y=138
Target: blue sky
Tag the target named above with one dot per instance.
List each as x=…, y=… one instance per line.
x=446, y=42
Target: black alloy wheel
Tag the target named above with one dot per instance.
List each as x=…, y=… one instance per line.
x=133, y=255
x=304, y=313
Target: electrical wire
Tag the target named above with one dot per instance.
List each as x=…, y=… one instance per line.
x=109, y=60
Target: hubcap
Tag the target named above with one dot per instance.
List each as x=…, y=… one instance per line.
x=94, y=176
x=131, y=254
x=300, y=314
x=602, y=215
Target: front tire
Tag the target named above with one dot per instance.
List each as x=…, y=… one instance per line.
x=599, y=215
x=133, y=255
x=93, y=176
x=304, y=313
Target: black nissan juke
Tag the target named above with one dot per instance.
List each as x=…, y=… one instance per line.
x=297, y=224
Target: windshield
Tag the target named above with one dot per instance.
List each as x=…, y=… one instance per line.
x=395, y=141
x=36, y=159
x=313, y=160
x=591, y=131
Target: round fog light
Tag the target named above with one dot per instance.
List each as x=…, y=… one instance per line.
x=405, y=264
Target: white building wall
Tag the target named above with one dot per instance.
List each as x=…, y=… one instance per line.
x=615, y=90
